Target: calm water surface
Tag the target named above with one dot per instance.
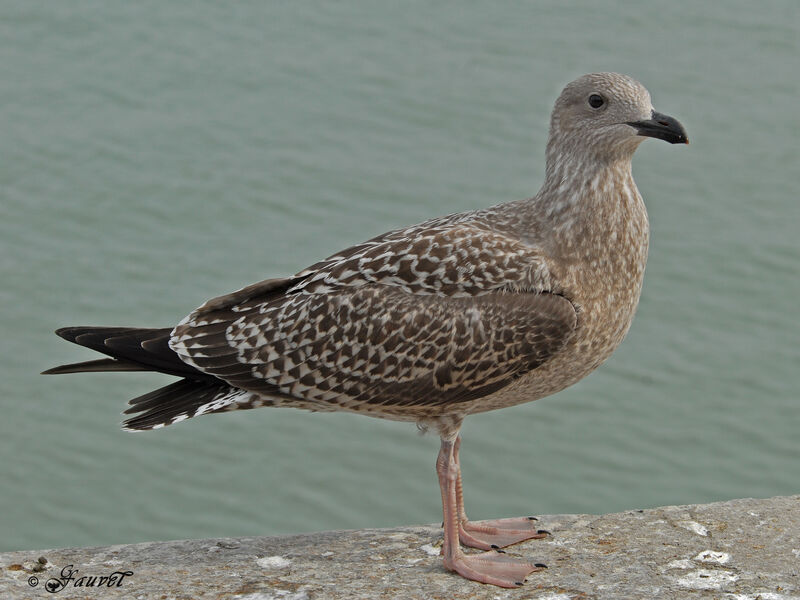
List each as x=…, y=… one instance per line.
x=156, y=154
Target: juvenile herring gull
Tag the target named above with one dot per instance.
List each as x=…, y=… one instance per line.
x=457, y=315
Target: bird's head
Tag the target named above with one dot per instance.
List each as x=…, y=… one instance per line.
x=607, y=115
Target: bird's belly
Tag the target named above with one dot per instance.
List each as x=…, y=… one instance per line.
x=602, y=325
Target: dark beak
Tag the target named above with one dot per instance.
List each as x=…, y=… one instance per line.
x=661, y=127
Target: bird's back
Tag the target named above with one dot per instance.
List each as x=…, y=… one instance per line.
x=411, y=325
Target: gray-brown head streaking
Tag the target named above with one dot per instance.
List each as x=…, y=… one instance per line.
x=456, y=315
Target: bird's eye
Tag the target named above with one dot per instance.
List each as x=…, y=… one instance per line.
x=596, y=101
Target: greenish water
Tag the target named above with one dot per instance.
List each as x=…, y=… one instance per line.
x=154, y=154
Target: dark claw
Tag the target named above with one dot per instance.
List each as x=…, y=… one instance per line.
x=544, y=531
x=500, y=551
x=540, y=565
x=533, y=519
x=495, y=547
x=518, y=583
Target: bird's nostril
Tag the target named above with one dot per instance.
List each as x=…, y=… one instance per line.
x=664, y=123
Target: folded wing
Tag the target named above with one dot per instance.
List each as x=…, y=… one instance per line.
x=377, y=345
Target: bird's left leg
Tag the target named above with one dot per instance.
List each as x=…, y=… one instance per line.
x=493, y=534
x=493, y=567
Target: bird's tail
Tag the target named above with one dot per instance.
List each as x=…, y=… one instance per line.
x=129, y=349
x=137, y=349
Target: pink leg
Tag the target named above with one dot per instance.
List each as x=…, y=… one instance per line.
x=488, y=567
x=497, y=533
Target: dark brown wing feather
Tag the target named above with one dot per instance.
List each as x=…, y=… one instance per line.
x=262, y=289
x=130, y=348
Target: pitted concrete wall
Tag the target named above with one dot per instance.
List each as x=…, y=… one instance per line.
x=738, y=550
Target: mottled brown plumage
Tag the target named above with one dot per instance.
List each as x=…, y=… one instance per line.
x=457, y=315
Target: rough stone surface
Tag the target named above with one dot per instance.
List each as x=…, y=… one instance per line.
x=737, y=550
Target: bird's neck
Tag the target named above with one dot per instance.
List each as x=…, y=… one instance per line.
x=586, y=207
x=588, y=193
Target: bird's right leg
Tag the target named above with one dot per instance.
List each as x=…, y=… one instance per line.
x=494, y=567
x=497, y=533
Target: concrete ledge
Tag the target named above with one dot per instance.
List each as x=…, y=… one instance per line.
x=738, y=550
